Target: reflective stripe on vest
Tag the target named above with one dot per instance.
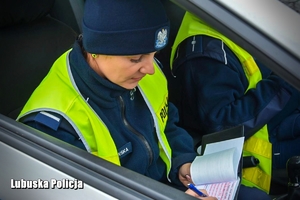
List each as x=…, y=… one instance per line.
x=258, y=145
x=66, y=100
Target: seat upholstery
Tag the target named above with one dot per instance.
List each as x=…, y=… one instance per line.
x=31, y=41
x=72, y=15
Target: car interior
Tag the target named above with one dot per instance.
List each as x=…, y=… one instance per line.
x=34, y=33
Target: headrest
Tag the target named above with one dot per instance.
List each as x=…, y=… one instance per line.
x=14, y=12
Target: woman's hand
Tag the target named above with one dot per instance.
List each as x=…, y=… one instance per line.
x=185, y=178
x=184, y=174
x=192, y=193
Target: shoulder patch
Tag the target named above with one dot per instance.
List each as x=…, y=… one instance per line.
x=48, y=120
x=199, y=46
x=215, y=49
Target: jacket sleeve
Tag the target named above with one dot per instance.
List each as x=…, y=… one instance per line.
x=181, y=143
x=221, y=101
x=62, y=131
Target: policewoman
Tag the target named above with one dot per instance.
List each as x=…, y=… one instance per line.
x=223, y=86
x=108, y=95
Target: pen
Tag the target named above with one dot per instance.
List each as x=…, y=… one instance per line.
x=192, y=187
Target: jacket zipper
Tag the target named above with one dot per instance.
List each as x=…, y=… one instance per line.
x=139, y=135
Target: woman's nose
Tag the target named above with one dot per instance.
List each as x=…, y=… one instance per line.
x=148, y=65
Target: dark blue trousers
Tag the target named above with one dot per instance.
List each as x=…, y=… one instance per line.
x=251, y=193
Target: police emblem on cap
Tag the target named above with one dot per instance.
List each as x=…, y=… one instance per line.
x=161, y=38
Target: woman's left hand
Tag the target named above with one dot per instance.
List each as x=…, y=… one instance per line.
x=184, y=174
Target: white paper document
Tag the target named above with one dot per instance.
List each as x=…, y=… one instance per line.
x=217, y=169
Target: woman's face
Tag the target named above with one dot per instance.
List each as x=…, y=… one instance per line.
x=125, y=71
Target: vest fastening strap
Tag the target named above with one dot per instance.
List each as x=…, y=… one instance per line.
x=258, y=177
x=256, y=145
